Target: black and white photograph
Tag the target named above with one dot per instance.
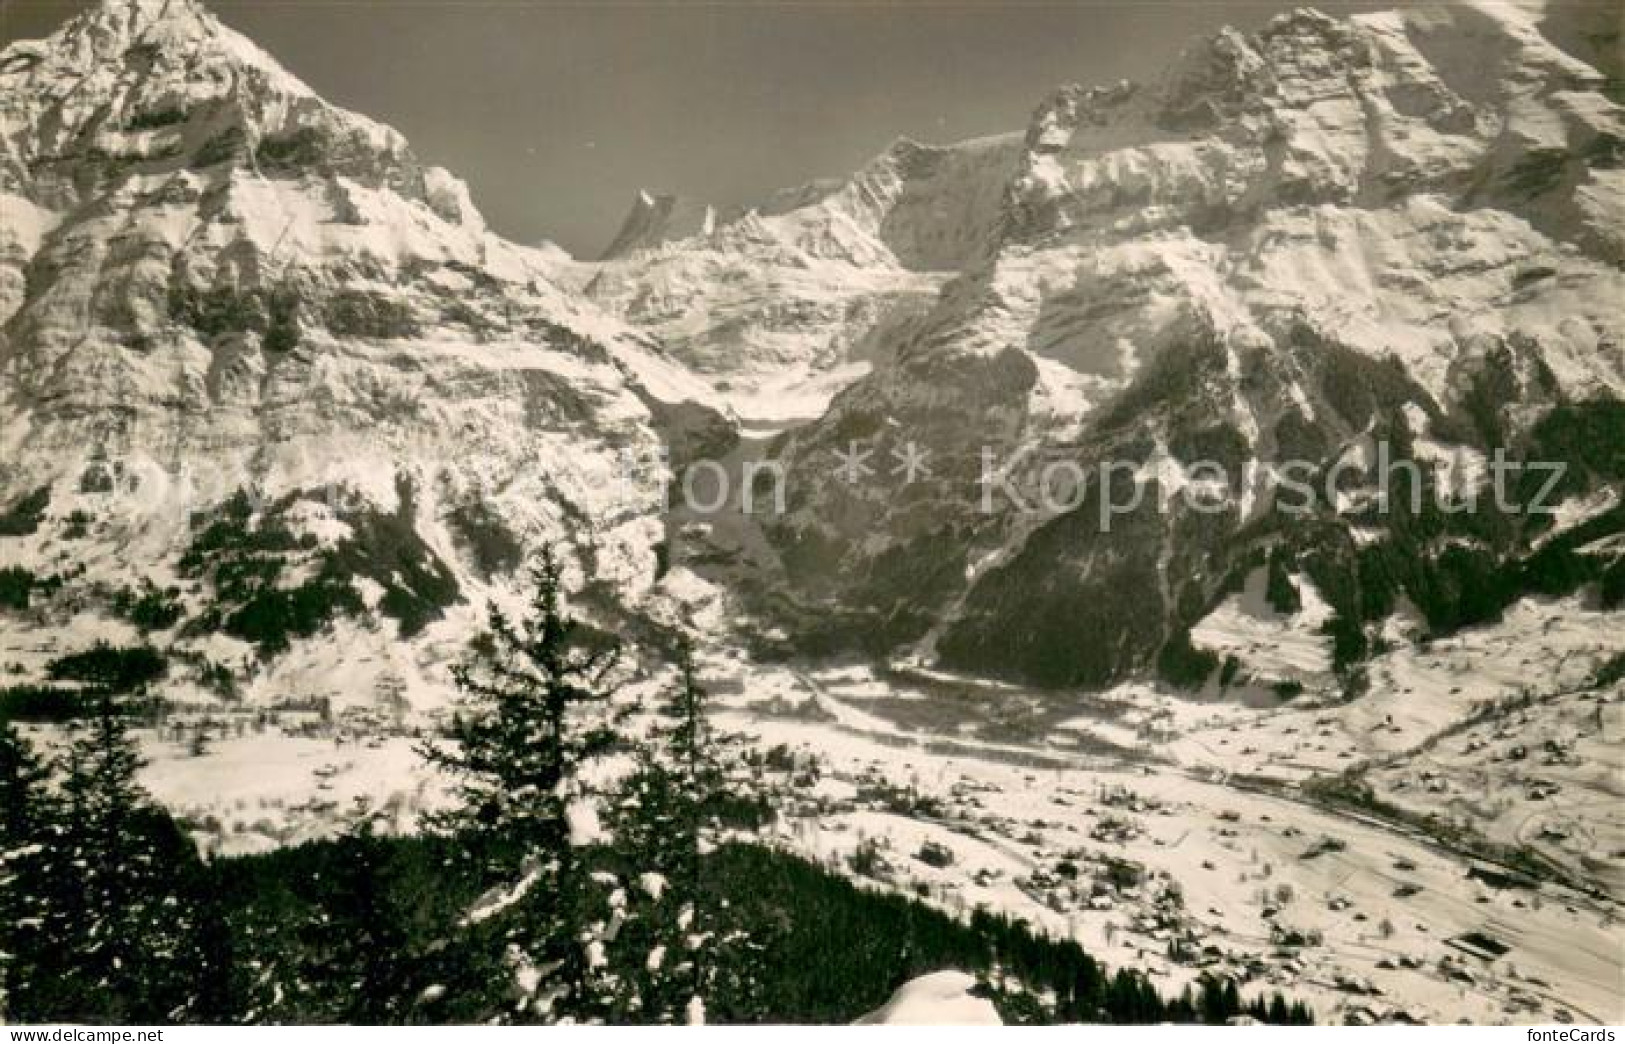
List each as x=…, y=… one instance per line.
x=911, y=513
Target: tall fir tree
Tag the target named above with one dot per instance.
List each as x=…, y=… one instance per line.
x=22, y=789
x=534, y=711
x=670, y=808
x=24, y=822
x=126, y=932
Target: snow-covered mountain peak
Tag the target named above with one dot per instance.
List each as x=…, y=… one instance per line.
x=221, y=291
x=133, y=42
x=915, y=206
x=786, y=300
x=113, y=26
x=143, y=93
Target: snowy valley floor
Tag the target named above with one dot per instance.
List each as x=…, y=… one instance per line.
x=1164, y=832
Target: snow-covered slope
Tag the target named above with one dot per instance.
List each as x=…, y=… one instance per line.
x=942, y=998
x=782, y=304
x=214, y=283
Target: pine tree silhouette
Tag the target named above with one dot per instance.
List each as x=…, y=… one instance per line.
x=534, y=710
x=670, y=805
x=126, y=932
x=24, y=817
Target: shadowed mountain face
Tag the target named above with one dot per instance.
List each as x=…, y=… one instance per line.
x=1292, y=247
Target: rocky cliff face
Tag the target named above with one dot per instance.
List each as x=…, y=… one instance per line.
x=1395, y=228
x=655, y=220
x=232, y=308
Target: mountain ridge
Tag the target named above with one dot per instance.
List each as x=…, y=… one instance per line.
x=1300, y=237
x=1291, y=236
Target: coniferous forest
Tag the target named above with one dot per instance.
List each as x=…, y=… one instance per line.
x=499, y=910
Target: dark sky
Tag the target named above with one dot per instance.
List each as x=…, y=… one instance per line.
x=557, y=112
